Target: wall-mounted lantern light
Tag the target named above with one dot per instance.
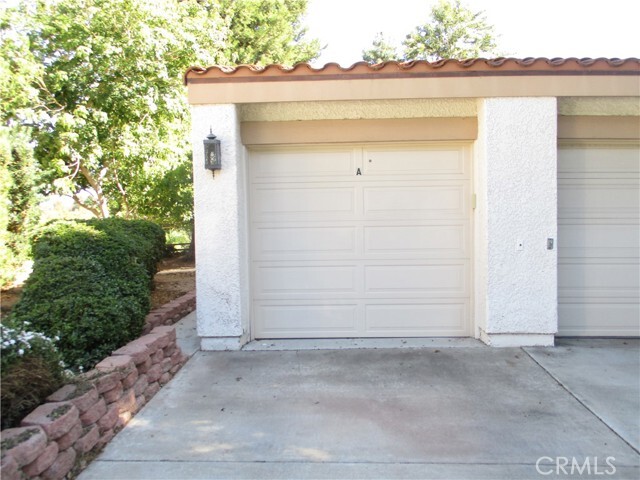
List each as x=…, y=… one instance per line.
x=212, y=155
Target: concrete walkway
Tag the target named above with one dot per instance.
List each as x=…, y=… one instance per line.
x=412, y=413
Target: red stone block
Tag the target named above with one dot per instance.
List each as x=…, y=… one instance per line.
x=70, y=438
x=56, y=418
x=123, y=419
x=144, y=367
x=178, y=358
x=109, y=419
x=88, y=440
x=130, y=380
x=104, y=383
x=165, y=378
x=113, y=394
x=82, y=396
x=63, y=394
x=170, y=349
x=121, y=363
x=154, y=373
x=151, y=341
x=140, y=402
x=61, y=466
x=94, y=414
x=105, y=438
x=175, y=369
x=170, y=331
x=141, y=385
x=85, y=400
x=139, y=352
x=23, y=444
x=44, y=460
x=166, y=364
x=163, y=339
x=127, y=402
x=9, y=469
x=158, y=356
x=151, y=390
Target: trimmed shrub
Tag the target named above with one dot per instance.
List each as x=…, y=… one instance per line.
x=31, y=371
x=147, y=240
x=91, y=312
x=90, y=285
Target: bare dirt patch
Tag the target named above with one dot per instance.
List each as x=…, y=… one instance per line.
x=176, y=276
x=8, y=298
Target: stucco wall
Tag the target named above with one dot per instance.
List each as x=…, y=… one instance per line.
x=516, y=291
x=221, y=239
x=607, y=106
x=358, y=109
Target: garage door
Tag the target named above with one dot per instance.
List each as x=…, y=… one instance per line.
x=360, y=241
x=598, y=240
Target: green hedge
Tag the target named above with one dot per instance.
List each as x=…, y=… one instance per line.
x=90, y=285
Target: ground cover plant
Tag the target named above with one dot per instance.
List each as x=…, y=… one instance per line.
x=31, y=370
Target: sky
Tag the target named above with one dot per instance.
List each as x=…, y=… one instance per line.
x=526, y=28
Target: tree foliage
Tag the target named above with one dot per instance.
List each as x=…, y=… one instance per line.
x=18, y=173
x=99, y=85
x=266, y=31
x=381, y=50
x=453, y=31
x=18, y=200
x=110, y=107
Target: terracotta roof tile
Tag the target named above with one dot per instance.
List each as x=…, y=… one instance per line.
x=418, y=68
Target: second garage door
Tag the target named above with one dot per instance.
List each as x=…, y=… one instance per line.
x=360, y=241
x=599, y=239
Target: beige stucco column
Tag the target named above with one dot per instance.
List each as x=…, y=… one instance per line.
x=515, y=284
x=221, y=237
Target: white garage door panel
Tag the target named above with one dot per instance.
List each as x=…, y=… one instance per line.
x=410, y=319
x=426, y=161
x=436, y=241
x=428, y=201
x=309, y=241
x=359, y=248
x=592, y=279
x=599, y=199
x=305, y=279
x=424, y=280
x=598, y=161
x=290, y=321
x=599, y=240
x=301, y=163
x=307, y=202
x=586, y=319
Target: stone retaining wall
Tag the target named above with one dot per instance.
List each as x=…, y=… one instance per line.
x=82, y=417
x=171, y=312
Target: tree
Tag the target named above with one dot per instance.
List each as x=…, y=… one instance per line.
x=263, y=32
x=109, y=119
x=380, y=51
x=453, y=32
x=18, y=172
x=110, y=108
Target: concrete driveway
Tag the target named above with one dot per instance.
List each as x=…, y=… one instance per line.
x=404, y=413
